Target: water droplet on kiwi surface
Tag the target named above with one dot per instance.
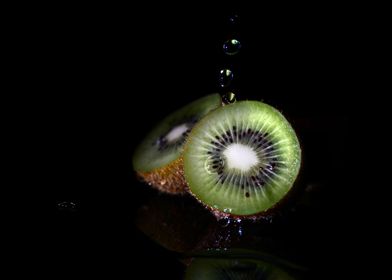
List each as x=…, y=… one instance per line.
x=228, y=97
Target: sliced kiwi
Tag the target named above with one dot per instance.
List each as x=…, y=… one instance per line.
x=242, y=159
x=157, y=160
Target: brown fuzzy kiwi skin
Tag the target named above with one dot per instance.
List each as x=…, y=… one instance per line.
x=168, y=179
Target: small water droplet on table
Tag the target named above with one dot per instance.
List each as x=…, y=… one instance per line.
x=67, y=206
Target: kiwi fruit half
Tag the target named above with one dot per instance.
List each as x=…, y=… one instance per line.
x=158, y=159
x=242, y=159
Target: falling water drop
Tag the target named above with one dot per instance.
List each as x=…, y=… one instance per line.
x=228, y=98
x=231, y=47
x=225, y=77
x=233, y=19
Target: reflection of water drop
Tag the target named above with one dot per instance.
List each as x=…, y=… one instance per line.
x=225, y=77
x=67, y=206
x=228, y=98
x=231, y=47
x=233, y=19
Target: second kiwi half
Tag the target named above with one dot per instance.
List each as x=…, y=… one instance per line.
x=158, y=158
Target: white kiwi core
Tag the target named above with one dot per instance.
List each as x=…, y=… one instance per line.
x=240, y=157
x=176, y=132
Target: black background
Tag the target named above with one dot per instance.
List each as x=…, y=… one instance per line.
x=105, y=75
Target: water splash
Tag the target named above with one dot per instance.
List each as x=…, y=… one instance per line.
x=239, y=223
x=225, y=222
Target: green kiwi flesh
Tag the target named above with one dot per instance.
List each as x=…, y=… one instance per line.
x=157, y=159
x=242, y=159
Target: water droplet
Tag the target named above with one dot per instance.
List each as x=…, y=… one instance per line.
x=225, y=222
x=233, y=19
x=67, y=206
x=268, y=219
x=228, y=98
x=225, y=77
x=240, y=231
x=231, y=47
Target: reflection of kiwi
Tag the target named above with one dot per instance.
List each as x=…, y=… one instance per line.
x=176, y=223
x=157, y=160
x=242, y=159
x=234, y=268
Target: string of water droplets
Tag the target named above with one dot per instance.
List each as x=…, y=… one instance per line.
x=230, y=48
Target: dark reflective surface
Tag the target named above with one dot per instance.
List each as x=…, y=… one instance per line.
x=275, y=247
x=102, y=101
x=211, y=249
